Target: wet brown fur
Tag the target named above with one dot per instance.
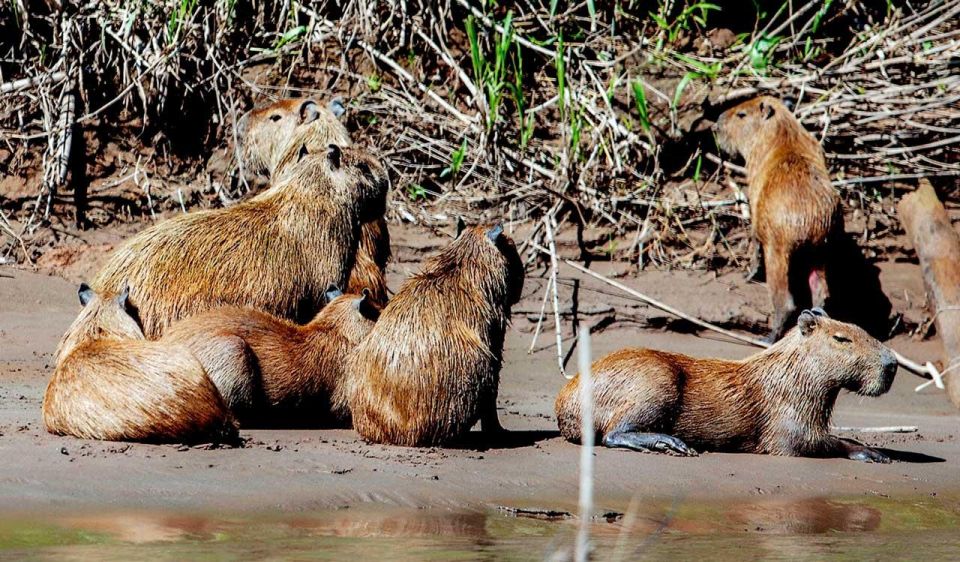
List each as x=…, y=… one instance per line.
x=113, y=385
x=795, y=212
x=271, y=370
x=276, y=252
x=430, y=368
x=777, y=402
x=270, y=133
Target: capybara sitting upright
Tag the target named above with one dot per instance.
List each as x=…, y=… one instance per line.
x=111, y=384
x=430, y=367
x=270, y=370
x=267, y=134
x=795, y=212
x=776, y=402
x=276, y=252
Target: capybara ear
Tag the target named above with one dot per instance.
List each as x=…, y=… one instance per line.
x=461, y=226
x=124, y=296
x=85, y=293
x=336, y=107
x=766, y=110
x=817, y=311
x=333, y=156
x=365, y=307
x=332, y=292
x=495, y=232
x=807, y=322
x=309, y=111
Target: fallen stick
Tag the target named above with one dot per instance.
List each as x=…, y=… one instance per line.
x=927, y=371
x=882, y=429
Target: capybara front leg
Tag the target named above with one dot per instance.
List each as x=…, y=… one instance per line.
x=779, y=286
x=855, y=450
x=647, y=442
x=489, y=421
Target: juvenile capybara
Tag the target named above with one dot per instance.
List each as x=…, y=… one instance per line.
x=276, y=252
x=270, y=132
x=112, y=384
x=795, y=212
x=430, y=367
x=776, y=402
x=272, y=371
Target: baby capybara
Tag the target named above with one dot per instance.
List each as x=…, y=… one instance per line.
x=430, y=368
x=276, y=252
x=776, y=402
x=795, y=212
x=270, y=133
x=112, y=384
x=272, y=371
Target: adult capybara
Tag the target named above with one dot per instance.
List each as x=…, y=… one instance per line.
x=796, y=213
x=269, y=134
x=272, y=371
x=276, y=252
x=430, y=368
x=112, y=384
x=776, y=402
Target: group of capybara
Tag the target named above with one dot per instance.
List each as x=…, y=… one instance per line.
x=275, y=312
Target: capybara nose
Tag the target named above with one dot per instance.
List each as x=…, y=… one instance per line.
x=890, y=365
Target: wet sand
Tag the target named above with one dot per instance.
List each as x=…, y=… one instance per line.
x=306, y=470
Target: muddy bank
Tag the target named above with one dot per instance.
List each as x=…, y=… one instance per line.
x=301, y=470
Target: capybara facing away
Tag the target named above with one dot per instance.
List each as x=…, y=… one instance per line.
x=430, y=367
x=776, y=402
x=111, y=384
x=795, y=212
x=272, y=371
x=276, y=252
x=269, y=134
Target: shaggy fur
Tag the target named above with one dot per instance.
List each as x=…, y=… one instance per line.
x=268, y=135
x=270, y=370
x=777, y=402
x=430, y=368
x=796, y=213
x=276, y=252
x=111, y=384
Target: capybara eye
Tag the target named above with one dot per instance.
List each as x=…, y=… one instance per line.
x=741, y=114
x=275, y=117
x=333, y=155
x=841, y=338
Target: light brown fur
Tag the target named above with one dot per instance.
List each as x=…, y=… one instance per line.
x=268, y=134
x=777, y=402
x=270, y=369
x=430, y=368
x=276, y=252
x=111, y=384
x=795, y=212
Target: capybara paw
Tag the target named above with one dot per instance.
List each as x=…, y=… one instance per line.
x=870, y=455
x=671, y=444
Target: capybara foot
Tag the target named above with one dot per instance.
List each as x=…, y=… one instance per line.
x=869, y=455
x=648, y=442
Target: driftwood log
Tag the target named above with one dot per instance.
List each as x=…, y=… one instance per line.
x=938, y=248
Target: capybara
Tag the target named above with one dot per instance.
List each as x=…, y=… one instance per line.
x=112, y=384
x=276, y=252
x=272, y=371
x=268, y=133
x=795, y=212
x=776, y=402
x=430, y=367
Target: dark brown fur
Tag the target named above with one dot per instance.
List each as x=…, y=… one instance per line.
x=276, y=252
x=777, y=402
x=430, y=368
x=268, y=135
x=795, y=212
x=271, y=370
x=111, y=384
